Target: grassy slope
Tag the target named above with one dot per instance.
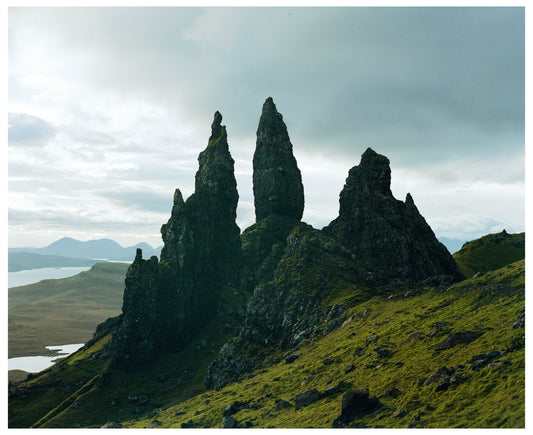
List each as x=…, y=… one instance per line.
x=490, y=397
x=490, y=252
x=62, y=311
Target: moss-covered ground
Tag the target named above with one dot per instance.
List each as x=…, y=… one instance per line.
x=84, y=391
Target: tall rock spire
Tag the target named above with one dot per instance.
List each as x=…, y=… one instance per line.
x=166, y=303
x=384, y=233
x=277, y=181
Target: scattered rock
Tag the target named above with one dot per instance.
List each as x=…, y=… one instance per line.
x=398, y=413
x=229, y=423
x=305, y=399
x=382, y=352
x=349, y=368
x=520, y=323
x=112, y=425
x=293, y=357
x=417, y=335
x=443, y=386
x=456, y=338
x=334, y=389
x=393, y=392
x=234, y=408
x=281, y=404
x=188, y=424
x=155, y=423
x=358, y=402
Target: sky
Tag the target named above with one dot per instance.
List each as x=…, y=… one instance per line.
x=108, y=109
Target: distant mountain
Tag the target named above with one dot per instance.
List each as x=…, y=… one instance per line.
x=490, y=252
x=26, y=260
x=453, y=245
x=94, y=249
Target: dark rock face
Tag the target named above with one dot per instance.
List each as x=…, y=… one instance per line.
x=277, y=181
x=166, y=303
x=388, y=235
x=290, y=305
x=133, y=340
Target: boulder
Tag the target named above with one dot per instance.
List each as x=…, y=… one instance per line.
x=358, y=402
x=456, y=338
x=305, y=399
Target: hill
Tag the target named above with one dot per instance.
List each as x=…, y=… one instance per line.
x=104, y=249
x=62, y=311
x=25, y=260
x=490, y=252
x=388, y=344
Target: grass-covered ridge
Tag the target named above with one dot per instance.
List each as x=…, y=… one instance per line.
x=386, y=346
x=490, y=252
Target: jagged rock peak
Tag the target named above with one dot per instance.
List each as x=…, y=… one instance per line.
x=217, y=129
x=278, y=188
x=373, y=174
x=216, y=166
x=385, y=234
x=178, y=197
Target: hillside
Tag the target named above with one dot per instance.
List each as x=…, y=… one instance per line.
x=490, y=252
x=367, y=322
x=385, y=344
x=61, y=311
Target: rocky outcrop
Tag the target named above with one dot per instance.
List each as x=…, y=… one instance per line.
x=296, y=301
x=385, y=234
x=166, y=303
x=133, y=341
x=277, y=182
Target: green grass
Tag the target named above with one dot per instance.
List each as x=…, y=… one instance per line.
x=490, y=397
x=63, y=311
x=490, y=252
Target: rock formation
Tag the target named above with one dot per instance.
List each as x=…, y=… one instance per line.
x=166, y=303
x=293, y=301
x=278, y=194
x=133, y=340
x=388, y=235
x=277, y=181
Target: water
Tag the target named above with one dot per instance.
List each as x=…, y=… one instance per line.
x=25, y=277
x=36, y=364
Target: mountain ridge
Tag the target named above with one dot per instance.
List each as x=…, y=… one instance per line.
x=104, y=249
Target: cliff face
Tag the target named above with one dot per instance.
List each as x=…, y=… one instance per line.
x=388, y=235
x=201, y=253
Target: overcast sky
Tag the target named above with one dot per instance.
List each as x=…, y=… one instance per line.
x=110, y=107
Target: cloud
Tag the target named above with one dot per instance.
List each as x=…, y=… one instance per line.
x=123, y=99
x=24, y=129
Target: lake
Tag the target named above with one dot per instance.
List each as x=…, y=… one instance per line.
x=25, y=277
x=36, y=364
